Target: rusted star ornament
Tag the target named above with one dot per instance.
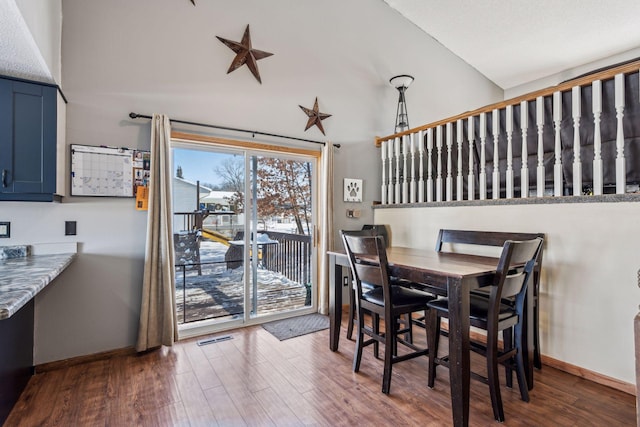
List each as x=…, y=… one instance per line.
x=315, y=116
x=245, y=54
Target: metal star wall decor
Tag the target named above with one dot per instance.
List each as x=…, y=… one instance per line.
x=245, y=54
x=315, y=116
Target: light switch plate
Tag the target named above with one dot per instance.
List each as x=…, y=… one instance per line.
x=5, y=229
x=353, y=213
x=69, y=228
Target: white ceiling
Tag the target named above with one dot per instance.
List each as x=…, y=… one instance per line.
x=19, y=54
x=513, y=42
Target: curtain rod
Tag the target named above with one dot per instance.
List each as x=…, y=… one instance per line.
x=143, y=116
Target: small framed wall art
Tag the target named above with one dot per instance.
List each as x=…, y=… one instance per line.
x=352, y=190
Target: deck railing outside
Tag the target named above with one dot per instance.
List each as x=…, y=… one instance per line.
x=290, y=258
x=581, y=137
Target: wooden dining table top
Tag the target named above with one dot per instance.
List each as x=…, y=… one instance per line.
x=429, y=261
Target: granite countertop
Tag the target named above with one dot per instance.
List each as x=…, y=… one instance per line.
x=22, y=277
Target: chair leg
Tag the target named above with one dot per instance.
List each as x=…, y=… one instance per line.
x=375, y=326
x=409, y=335
x=396, y=323
x=357, y=356
x=432, y=323
x=507, y=339
x=492, y=376
x=537, y=361
x=389, y=341
x=520, y=368
x=352, y=313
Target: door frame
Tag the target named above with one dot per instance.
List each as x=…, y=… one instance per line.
x=249, y=148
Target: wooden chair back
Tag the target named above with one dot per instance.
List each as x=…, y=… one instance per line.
x=379, y=230
x=516, y=265
x=367, y=260
x=514, y=271
x=492, y=239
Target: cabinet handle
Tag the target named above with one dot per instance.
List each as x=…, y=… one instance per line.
x=4, y=178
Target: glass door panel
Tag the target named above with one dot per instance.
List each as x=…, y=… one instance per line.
x=282, y=228
x=208, y=212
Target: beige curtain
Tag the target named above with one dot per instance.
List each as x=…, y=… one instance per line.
x=158, y=324
x=326, y=226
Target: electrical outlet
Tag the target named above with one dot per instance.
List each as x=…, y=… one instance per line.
x=5, y=229
x=353, y=213
x=345, y=281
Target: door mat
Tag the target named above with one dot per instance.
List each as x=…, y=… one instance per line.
x=297, y=326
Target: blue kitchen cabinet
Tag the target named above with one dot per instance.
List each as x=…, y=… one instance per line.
x=28, y=134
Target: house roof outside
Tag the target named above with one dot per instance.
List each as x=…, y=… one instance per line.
x=217, y=197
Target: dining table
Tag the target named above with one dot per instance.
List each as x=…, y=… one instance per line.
x=451, y=274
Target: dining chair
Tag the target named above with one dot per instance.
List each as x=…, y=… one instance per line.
x=352, y=315
x=376, y=294
x=497, y=239
x=495, y=314
x=376, y=230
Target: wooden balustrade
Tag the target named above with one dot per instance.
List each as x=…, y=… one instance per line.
x=587, y=142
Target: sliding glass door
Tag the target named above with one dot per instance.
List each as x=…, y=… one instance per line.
x=243, y=229
x=282, y=229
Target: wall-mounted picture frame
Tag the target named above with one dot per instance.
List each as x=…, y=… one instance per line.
x=352, y=190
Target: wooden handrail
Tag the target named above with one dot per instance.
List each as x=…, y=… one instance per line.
x=580, y=81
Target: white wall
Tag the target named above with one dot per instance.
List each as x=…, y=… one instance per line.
x=162, y=56
x=589, y=293
x=93, y=304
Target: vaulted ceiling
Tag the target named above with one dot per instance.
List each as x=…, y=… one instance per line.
x=19, y=54
x=513, y=42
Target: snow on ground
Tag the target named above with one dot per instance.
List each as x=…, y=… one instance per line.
x=218, y=291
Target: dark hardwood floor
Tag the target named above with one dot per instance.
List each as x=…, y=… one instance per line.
x=254, y=379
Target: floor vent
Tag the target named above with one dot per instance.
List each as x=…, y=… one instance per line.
x=215, y=340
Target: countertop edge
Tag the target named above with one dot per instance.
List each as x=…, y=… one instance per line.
x=35, y=285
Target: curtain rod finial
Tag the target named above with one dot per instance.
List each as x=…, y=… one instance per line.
x=133, y=115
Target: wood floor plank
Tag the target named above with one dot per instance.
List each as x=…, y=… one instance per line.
x=246, y=373
x=306, y=412
x=40, y=390
x=203, y=371
x=254, y=379
x=239, y=392
x=195, y=403
x=277, y=410
x=223, y=407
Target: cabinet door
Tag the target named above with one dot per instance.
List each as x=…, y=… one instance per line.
x=27, y=140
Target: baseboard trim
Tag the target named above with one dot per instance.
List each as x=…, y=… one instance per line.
x=589, y=375
x=574, y=370
x=79, y=360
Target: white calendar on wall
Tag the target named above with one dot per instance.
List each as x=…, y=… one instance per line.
x=104, y=171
